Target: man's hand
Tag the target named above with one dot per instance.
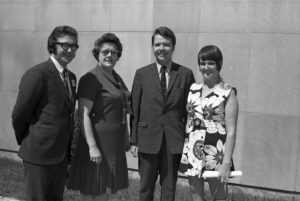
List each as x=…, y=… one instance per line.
x=134, y=150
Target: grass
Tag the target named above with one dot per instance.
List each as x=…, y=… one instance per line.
x=12, y=185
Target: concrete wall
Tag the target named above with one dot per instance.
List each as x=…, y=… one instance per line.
x=260, y=40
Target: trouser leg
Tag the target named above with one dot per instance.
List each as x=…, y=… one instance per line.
x=148, y=174
x=168, y=166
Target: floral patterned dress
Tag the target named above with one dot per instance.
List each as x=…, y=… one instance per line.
x=205, y=130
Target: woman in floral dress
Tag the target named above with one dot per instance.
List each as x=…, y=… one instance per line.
x=211, y=126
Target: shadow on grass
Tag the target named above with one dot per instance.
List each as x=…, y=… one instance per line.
x=12, y=185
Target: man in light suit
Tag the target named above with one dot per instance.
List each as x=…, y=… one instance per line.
x=159, y=96
x=43, y=118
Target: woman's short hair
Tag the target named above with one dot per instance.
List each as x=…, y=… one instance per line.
x=58, y=32
x=165, y=32
x=107, y=38
x=211, y=52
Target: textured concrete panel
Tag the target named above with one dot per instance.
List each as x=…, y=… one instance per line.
x=236, y=55
x=7, y=136
x=131, y=161
x=16, y=15
x=179, y=15
x=297, y=185
x=186, y=51
x=18, y=52
x=137, y=52
x=224, y=16
x=271, y=151
x=271, y=16
x=274, y=75
x=131, y=15
x=84, y=60
x=88, y=15
x=238, y=154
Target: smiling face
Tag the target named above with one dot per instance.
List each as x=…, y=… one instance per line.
x=209, y=70
x=108, y=55
x=65, y=56
x=162, y=49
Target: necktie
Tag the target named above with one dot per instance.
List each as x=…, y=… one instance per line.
x=67, y=82
x=163, y=81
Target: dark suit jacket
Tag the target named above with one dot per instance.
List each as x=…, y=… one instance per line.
x=152, y=115
x=43, y=115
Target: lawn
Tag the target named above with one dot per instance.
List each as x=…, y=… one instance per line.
x=12, y=185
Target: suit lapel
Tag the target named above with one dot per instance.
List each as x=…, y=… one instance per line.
x=54, y=74
x=154, y=74
x=173, y=77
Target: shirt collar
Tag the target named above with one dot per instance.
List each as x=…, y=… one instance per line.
x=168, y=67
x=57, y=65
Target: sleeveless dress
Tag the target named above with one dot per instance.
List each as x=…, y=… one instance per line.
x=205, y=130
x=110, y=103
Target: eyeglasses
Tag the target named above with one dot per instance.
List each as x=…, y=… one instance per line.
x=208, y=63
x=66, y=46
x=112, y=52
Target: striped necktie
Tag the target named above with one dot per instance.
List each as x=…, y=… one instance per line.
x=67, y=82
x=163, y=81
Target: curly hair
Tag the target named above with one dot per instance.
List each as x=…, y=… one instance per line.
x=107, y=38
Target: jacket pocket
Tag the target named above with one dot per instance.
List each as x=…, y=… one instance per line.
x=46, y=126
x=142, y=124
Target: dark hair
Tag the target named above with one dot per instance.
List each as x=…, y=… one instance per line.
x=107, y=38
x=58, y=32
x=165, y=32
x=211, y=52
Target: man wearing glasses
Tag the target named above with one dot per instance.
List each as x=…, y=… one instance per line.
x=43, y=118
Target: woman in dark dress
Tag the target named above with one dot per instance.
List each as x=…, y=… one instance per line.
x=99, y=166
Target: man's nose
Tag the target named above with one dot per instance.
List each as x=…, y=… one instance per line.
x=69, y=49
x=161, y=46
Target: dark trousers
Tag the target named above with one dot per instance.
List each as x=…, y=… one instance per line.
x=166, y=165
x=45, y=183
